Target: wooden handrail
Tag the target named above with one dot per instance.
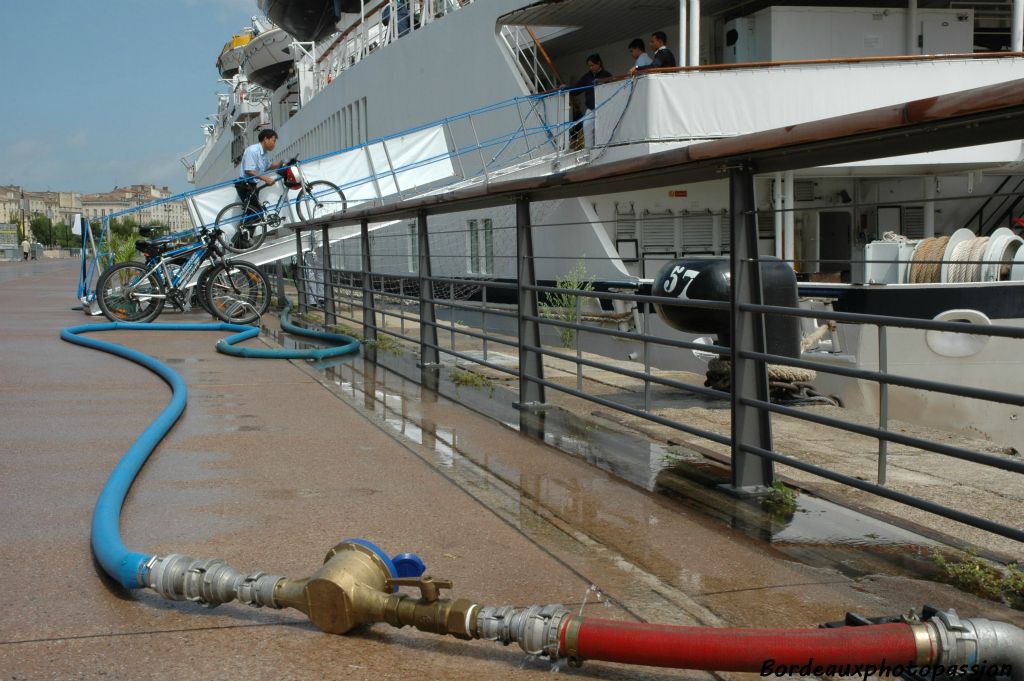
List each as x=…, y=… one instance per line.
x=812, y=62
x=344, y=34
x=544, y=53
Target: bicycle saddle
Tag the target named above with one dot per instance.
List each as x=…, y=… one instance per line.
x=150, y=248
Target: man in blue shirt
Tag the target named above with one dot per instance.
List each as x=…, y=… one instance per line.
x=252, y=178
x=639, y=54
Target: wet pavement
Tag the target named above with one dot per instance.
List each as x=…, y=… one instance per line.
x=275, y=461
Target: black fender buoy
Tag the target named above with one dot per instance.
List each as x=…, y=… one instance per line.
x=709, y=279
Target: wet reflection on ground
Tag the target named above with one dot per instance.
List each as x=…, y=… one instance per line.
x=819, y=533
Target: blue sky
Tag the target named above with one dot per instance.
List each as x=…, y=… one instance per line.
x=98, y=93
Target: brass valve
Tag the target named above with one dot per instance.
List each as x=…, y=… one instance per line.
x=430, y=588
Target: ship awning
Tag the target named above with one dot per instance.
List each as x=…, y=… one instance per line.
x=587, y=23
x=643, y=16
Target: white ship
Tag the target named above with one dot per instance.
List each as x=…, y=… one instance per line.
x=354, y=71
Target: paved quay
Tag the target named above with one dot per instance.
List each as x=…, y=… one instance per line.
x=272, y=464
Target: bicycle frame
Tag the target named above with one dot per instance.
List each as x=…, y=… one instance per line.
x=175, y=281
x=267, y=209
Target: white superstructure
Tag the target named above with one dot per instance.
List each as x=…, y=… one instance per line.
x=752, y=66
x=378, y=76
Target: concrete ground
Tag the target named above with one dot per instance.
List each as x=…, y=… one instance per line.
x=270, y=466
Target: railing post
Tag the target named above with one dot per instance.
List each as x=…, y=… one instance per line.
x=373, y=174
x=531, y=363
x=391, y=167
x=480, y=149
x=330, y=319
x=455, y=145
x=751, y=426
x=281, y=295
x=300, y=281
x=430, y=361
x=369, y=318
x=883, y=403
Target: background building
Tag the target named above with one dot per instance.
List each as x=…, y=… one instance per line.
x=171, y=214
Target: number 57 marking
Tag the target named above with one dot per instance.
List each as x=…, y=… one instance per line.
x=673, y=279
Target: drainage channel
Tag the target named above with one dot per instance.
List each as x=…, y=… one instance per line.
x=819, y=533
x=397, y=404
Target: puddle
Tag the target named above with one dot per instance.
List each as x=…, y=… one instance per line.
x=819, y=533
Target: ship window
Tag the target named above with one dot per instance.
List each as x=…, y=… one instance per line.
x=488, y=246
x=474, y=246
x=480, y=250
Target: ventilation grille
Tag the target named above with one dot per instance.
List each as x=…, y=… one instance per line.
x=698, y=233
x=803, y=190
x=659, y=231
x=625, y=223
x=913, y=222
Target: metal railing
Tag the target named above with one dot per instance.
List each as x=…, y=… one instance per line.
x=415, y=306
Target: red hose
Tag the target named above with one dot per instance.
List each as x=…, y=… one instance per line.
x=740, y=650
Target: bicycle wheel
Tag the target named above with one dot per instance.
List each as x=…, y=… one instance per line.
x=239, y=237
x=320, y=199
x=237, y=292
x=126, y=293
x=200, y=292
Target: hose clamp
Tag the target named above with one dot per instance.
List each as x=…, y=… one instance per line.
x=926, y=642
x=572, y=640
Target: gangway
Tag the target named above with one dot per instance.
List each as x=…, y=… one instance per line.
x=528, y=135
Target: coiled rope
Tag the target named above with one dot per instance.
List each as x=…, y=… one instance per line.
x=927, y=263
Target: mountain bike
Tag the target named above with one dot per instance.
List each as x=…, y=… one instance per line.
x=315, y=199
x=233, y=291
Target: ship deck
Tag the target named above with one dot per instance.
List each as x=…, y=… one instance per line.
x=273, y=462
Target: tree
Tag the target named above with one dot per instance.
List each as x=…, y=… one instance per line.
x=125, y=226
x=42, y=229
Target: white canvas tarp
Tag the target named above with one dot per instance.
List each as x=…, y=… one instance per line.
x=375, y=171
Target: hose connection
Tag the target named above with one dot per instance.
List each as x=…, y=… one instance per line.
x=975, y=642
x=359, y=584
x=209, y=582
x=536, y=629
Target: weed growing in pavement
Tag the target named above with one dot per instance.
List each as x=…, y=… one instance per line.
x=345, y=331
x=562, y=306
x=386, y=343
x=780, y=500
x=974, y=575
x=461, y=377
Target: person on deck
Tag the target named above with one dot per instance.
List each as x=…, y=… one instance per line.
x=595, y=72
x=663, y=57
x=639, y=53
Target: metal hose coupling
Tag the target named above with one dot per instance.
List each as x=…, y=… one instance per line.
x=536, y=629
x=209, y=582
x=975, y=644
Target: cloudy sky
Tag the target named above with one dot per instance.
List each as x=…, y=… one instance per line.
x=98, y=93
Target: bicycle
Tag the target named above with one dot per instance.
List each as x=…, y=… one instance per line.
x=233, y=291
x=316, y=199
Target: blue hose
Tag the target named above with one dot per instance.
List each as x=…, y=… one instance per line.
x=344, y=344
x=127, y=567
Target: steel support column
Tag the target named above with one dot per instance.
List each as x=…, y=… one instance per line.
x=751, y=426
x=330, y=318
x=531, y=364
x=369, y=309
x=300, y=277
x=693, y=39
x=281, y=295
x=430, y=361
x=1017, y=27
